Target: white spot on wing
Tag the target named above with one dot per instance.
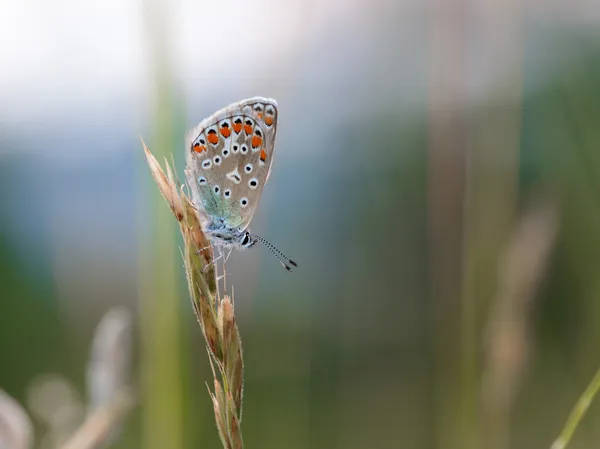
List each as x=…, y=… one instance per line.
x=234, y=176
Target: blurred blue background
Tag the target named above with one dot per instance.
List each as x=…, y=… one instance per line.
x=414, y=140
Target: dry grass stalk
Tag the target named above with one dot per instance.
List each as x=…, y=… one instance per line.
x=520, y=272
x=57, y=406
x=99, y=424
x=215, y=314
x=111, y=397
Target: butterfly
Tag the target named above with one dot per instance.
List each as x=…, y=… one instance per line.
x=229, y=156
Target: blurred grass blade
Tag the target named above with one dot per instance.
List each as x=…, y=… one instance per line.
x=520, y=272
x=578, y=412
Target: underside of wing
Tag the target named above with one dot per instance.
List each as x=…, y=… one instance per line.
x=229, y=157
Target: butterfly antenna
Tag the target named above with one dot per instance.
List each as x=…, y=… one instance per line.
x=282, y=258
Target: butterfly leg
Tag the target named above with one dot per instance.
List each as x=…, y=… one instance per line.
x=220, y=256
x=225, y=268
x=217, y=277
x=212, y=262
x=199, y=250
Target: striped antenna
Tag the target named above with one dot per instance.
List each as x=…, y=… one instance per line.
x=282, y=258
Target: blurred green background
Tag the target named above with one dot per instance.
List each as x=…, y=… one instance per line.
x=415, y=139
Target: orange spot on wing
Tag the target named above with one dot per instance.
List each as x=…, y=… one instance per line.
x=259, y=115
x=225, y=131
x=237, y=127
x=212, y=138
x=256, y=141
x=263, y=155
x=248, y=129
x=269, y=121
x=199, y=148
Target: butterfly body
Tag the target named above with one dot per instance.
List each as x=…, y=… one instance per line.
x=229, y=157
x=221, y=233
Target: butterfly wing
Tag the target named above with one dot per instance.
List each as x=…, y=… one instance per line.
x=229, y=157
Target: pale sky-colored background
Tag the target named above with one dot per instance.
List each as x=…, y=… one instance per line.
x=81, y=58
x=76, y=86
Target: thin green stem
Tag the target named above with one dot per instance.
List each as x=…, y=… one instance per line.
x=578, y=413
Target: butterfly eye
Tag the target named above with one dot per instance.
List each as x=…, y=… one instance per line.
x=244, y=202
x=207, y=163
x=201, y=180
x=248, y=168
x=253, y=183
x=244, y=149
x=227, y=193
x=217, y=160
x=217, y=189
x=246, y=239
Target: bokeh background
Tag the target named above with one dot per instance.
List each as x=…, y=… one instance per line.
x=437, y=178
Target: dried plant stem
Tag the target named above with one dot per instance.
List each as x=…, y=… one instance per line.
x=100, y=421
x=578, y=412
x=521, y=270
x=215, y=314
